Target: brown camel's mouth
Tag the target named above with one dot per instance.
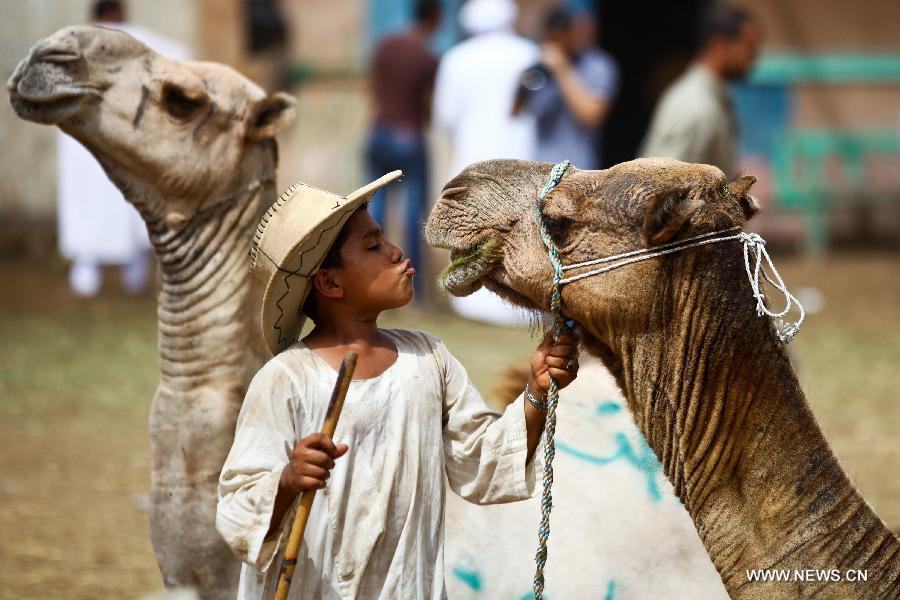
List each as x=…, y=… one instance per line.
x=468, y=267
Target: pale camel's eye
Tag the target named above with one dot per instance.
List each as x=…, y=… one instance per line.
x=181, y=104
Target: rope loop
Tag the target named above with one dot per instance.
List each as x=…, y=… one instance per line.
x=754, y=244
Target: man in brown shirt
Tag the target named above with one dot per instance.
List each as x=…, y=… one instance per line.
x=402, y=78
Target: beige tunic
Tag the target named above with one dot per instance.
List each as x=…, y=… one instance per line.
x=376, y=530
x=695, y=122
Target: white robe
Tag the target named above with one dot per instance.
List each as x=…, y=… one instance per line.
x=96, y=224
x=473, y=99
x=377, y=529
x=474, y=90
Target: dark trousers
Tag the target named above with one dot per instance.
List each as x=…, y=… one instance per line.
x=389, y=149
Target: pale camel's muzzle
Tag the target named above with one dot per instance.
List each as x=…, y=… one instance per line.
x=50, y=85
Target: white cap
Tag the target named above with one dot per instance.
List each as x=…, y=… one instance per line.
x=486, y=16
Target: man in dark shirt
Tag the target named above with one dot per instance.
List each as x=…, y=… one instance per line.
x=402, y=78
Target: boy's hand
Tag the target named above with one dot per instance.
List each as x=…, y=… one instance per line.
x=559, y=361
x=312, y=459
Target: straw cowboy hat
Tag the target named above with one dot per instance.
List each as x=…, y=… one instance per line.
x=290, y=244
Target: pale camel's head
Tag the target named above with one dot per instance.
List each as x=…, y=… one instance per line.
x=486, y=218
x=167, y=132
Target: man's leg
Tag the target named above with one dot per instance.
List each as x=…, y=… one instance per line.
x=135, y=274
x=376, y=158
x=416, y=204
x=85, y=278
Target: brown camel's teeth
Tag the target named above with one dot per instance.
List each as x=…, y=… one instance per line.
x=463, y=276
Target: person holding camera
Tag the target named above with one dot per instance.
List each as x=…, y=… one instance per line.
x=570, y=91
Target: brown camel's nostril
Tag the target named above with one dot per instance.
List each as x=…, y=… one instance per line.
x=449, y=191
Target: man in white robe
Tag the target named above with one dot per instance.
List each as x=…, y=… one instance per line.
x=473, y=103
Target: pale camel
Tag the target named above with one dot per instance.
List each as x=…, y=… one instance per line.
x=192, y=146
x=708, y=381
x=618, y=530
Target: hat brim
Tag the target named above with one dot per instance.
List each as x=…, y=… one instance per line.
x=288, y=286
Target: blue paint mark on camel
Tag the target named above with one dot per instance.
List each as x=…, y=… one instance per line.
x=609, y=408
x=642, y=457
x=473, y=580
x=470, y=578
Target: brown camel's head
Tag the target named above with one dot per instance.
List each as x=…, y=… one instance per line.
x=166, y=132
x=486, y=218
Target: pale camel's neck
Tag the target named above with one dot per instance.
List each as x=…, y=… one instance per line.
x=714, y=393
x=208, y=311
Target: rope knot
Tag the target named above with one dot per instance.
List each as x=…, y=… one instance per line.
x=752, y=238
x=787, y=334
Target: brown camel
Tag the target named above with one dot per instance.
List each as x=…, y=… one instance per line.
x=708, y=381
x=192, y=146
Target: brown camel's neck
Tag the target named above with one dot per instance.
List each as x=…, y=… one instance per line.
x=714, y=393
x=208, y=300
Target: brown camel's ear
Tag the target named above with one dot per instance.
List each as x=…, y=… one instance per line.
x=739, y=188
x=664, y=216
x=270, y=115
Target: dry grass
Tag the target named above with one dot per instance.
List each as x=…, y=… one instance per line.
x=76, y=380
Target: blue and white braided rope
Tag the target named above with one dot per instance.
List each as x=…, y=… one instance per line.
x=540, y=557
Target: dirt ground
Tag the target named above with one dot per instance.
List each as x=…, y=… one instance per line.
x=76, y=379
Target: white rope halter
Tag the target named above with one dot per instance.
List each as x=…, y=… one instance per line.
x=753, y=244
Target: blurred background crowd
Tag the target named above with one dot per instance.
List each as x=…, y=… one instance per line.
x=802, y=94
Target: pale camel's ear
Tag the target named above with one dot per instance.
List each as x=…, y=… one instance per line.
x=665, y=214
x=739, y=188
x=270, y=115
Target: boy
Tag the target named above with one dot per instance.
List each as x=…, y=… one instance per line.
x=410, y=415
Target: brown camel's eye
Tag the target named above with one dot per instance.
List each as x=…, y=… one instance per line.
x=557, y=228
x=180, y=104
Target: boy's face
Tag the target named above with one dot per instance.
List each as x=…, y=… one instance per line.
x=374, y=275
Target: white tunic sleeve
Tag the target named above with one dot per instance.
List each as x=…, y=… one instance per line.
x=485, y=452
x=263, y=441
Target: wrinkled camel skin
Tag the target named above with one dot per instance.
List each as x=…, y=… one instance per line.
x=192, y=146
x=707, y=380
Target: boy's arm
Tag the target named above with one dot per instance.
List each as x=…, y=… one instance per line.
x=559, y=361
x=488, y=456
x=250, y=478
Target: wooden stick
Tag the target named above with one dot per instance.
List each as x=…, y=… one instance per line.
x=345, y=375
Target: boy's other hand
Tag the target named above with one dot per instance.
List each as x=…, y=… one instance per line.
x=559, y=361
x=312, y=459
